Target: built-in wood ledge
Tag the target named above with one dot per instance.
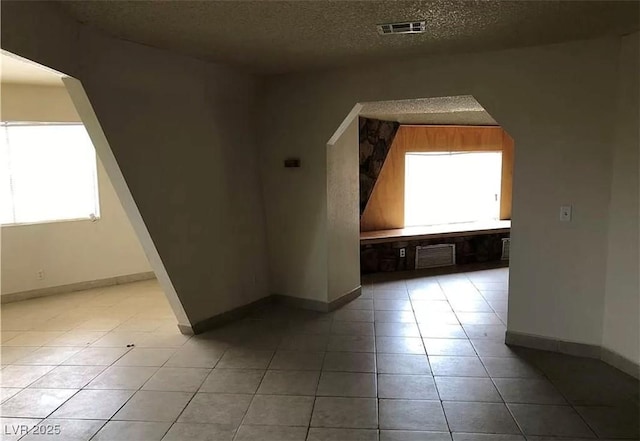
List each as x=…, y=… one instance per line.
x=435, y=231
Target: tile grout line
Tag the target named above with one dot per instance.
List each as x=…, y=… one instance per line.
x=485, y=368
x=315, y=397
x=374, y=353
x=422, y=338
x=199, y=387
x=504, y=403
x=570, y=404
x=244, y=416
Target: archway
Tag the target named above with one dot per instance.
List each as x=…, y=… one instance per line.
x=444, y=124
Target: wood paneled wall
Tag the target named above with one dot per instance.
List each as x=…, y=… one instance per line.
x=385, y=209
x=507, y=176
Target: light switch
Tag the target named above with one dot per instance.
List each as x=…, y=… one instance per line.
x=565, y=213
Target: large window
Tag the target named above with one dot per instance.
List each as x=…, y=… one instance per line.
x=452, y=187
x=48, y=173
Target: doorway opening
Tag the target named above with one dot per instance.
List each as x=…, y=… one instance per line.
x=76, y=257
x=433, y=172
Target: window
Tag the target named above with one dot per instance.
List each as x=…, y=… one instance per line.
x=48, y=173
x=452, y=187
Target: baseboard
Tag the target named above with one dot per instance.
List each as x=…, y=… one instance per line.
x=572, y=348
x=317, y=305
x=245, y=310
x=621, y=362
x=79, y=286
x=297, y=302
x=225, y=317
x=345, y=298
x=186, y=329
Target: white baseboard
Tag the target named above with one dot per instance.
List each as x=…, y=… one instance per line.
x=80, y=286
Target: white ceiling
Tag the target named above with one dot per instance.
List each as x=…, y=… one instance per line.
x=278, y=36
x=16, y=70
x=452, y=110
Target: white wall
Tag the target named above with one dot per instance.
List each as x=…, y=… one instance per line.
x=622, y=302
x=182, y=133
x=73, y=251
x=556, y=101
x=343, y=209
x=30, y=102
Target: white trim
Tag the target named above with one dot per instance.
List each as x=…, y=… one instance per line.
x=355, y=112
x=54, y=221
x=73, y=287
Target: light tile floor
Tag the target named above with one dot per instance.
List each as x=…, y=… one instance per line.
x=416, y=359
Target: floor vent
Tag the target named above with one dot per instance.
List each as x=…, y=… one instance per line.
x=506, y=244
x=433, y=256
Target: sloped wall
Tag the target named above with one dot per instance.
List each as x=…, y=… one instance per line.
x=180, y=130
x=375, y=138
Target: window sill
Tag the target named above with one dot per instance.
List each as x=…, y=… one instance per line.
x=49, y=222
x=435, y=231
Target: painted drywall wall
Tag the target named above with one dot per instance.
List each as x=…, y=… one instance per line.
x=26, y=102
x=622, y=302
x=556, y=101
x=68, y=252
x=180, y=130
x=343, y=211
x=178, y=126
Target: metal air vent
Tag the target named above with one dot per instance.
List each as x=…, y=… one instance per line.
x=433, y=256
x=407, y=27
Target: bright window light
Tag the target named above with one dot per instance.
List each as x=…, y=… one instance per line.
x=452, y=187
x=48, y=173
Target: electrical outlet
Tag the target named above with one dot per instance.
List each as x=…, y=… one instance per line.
x=40, y=274
x=403, y=252
x=565, y=213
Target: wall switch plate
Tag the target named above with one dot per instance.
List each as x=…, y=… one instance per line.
x=565, y=213
x=403, y=252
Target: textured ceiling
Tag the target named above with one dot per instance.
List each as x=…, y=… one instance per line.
x=458, y=110
x=279, y=36
x=16, y=70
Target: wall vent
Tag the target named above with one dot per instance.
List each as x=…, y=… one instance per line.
x=433, y=256
x=506, y=244
x=407, y=27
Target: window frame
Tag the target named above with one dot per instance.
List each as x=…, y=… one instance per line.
x=385, y=207
x=93, y=217
x=450, y=155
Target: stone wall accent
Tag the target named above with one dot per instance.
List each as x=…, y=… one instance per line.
x=385, y=257
x=376, y=137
